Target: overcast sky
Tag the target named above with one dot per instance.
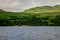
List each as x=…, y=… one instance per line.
x=21, y=5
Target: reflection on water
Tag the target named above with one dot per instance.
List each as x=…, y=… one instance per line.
x=29, y=33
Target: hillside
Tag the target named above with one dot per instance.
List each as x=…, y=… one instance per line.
x=37, y=16
x=44, y=9
x=41, y=9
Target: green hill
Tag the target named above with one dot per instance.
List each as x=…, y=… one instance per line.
x=44, y=9
x=37, y=16
x=57, y=6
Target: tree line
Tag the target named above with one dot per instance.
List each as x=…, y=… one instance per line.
x=32, y=20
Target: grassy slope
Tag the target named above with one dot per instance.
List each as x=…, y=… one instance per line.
x=44, y=11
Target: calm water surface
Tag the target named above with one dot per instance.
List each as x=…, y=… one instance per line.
x=29, y=33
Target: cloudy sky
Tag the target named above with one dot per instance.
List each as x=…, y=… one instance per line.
x=21, y=5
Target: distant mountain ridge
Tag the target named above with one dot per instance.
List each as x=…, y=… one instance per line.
x=2, y=10
x=41, y=9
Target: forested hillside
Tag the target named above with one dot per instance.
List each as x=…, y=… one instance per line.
x=37, y=16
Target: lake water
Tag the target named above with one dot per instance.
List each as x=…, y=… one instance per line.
x=30, y=33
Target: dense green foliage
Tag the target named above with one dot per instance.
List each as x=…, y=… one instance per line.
x=29, y=18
